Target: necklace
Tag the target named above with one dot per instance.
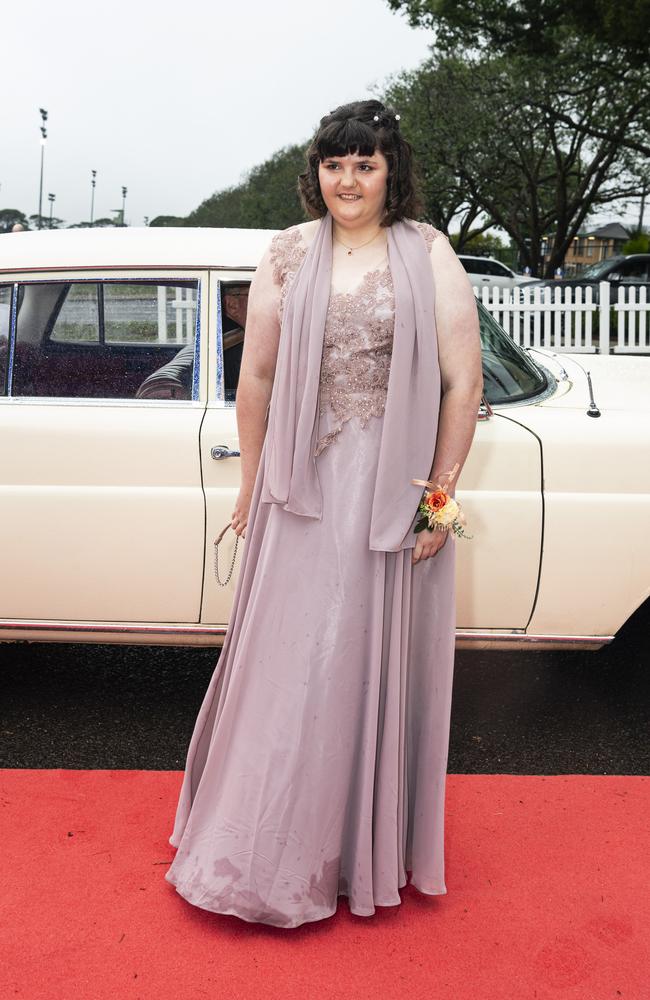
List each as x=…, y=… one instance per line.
x=350, y=249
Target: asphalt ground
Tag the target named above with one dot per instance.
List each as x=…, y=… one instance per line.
x=133, y=707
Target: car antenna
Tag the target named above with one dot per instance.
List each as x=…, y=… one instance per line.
x=593, y=410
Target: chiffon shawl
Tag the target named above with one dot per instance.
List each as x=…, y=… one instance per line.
x=410, y=424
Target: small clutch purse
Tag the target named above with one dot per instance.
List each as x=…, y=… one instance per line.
x=223, y=583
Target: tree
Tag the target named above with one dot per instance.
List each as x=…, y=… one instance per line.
x=9, y=217
x=487, y=148
x=266, y=198
x=534, y=27
x=605, y=42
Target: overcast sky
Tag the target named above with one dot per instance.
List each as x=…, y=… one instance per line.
x=177, y=100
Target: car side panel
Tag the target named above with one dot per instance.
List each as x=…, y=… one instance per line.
x=596, y=557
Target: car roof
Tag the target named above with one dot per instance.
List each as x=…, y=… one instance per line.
x=478, y=256
x=133, y=246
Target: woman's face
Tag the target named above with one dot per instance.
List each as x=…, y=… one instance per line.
x=354, y=187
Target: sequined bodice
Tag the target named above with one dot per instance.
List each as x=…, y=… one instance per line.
x=358, y=337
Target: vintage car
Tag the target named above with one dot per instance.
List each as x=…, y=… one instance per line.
x=119, y=359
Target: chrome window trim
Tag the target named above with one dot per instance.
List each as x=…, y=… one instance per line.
x=192, y=404
x=97, y=279
x=220, y=389
x=12, y=341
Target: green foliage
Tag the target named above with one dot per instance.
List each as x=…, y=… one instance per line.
x=267, y=197
x=536, y=28
x=503, y=142
x=9, y=217
x=640, y=243
x=168, y=220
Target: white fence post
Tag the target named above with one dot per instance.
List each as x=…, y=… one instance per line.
x=603, y=324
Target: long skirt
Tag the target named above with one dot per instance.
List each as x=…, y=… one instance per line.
x=318, y=760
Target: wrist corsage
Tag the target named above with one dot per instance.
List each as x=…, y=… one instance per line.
x=439, y=510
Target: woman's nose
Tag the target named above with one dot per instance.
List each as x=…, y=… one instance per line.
x=348, y=179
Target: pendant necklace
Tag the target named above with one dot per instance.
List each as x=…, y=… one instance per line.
x=350, y=249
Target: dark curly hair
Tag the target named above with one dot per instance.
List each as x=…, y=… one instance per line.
x=351, y=128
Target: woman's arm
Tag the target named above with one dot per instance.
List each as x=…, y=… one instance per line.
x=259, y=357
x=459, y=352
x=461, y=372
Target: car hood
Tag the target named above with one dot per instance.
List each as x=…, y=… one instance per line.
x=619, y=381
x=560, y=282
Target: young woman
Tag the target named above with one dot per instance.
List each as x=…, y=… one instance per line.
x=318, y=761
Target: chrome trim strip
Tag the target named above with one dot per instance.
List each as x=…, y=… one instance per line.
x=516, y=637
x=128, y=267
x=153, y=629
x=41, y=625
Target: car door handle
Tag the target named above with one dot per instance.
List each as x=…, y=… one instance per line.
x=223, y=451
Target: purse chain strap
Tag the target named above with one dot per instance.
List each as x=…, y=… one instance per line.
x=223, y=583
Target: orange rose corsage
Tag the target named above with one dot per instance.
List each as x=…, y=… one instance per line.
x=439, y=510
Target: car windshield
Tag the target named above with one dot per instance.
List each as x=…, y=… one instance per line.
x=509, y=374
x=595, y=270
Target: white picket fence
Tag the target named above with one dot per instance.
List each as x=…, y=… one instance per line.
x=568, y=319
x=183, y=307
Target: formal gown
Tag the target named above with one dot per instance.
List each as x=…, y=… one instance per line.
x=318, y=760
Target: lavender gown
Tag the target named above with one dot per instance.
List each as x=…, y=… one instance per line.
x=318, y=760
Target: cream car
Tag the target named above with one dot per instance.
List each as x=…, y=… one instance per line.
x=119, y=359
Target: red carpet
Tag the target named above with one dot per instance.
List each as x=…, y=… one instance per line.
x=548, y=896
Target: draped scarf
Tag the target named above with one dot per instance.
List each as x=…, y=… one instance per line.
x=411, y=412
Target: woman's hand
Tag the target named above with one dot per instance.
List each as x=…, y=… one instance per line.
x=427, y=544
x=239, y=517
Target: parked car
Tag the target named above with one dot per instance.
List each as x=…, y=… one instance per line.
x=120, y=456
x=488, y=271
x=620, y=271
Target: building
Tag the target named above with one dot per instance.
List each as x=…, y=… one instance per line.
x=591, y=246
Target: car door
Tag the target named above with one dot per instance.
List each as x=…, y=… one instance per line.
x=500, y=486
x=100, y=479
x=219, y=443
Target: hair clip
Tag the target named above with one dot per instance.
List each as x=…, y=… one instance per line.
x=376, y=118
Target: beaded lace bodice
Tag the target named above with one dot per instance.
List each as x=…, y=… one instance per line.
x=358, y=337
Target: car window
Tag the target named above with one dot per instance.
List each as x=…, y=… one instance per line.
x=77, y=320
x=500, y=269
x=473, y=265
x=598, y=271
x=106, y=339
x=634, y=270
x=5, y=320
x=509, y=374
x=230, y=337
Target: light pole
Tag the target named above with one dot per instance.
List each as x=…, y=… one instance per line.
x=92, y=196
x=51, y=198
x=123, y=203
x=43, y=139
